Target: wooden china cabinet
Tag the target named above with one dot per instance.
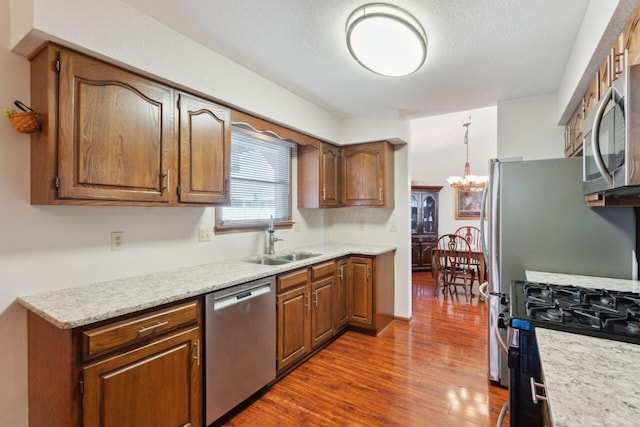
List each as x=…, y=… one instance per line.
x=424, y=225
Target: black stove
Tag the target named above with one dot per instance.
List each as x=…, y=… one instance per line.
x=597, y=312
x=601, y=313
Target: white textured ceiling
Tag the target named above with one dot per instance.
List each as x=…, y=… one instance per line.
x=479, y=51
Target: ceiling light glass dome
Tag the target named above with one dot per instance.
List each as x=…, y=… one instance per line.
x=386, y=40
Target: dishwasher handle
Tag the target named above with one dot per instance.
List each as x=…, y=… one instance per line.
x=241, y=296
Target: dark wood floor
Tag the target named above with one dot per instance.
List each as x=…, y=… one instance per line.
x=430, y=372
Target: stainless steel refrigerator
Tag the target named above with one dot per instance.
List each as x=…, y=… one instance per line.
x=537, y=220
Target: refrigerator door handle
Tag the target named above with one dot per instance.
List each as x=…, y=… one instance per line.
x=483, y=207
x=494, y=226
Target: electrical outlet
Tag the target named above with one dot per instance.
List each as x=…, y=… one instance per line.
x=361, y=224
x=394, y=226
x=116, y=240
x=204, y=234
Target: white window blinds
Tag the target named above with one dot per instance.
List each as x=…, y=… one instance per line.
x=260, y=178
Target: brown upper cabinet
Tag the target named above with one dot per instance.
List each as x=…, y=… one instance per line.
x=605, y=76
x=353, y=175
x=319, y=176
x=205, y=147
x=591, y=97
x=573, y=133
x=367, y=175
x=629, y=39
x=111, y=137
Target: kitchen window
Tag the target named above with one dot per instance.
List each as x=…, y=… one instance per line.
x=260, y=182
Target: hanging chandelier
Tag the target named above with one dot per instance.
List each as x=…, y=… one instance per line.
x=467, y=182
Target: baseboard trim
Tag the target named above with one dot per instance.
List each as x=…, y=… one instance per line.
x=404, y=320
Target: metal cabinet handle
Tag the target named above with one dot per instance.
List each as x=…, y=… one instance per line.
x=168, y=177
x=340, y=273
x=150, y=328
x=380, y=193
x=534, y=396
x=368, y=271
x=306, y=299
x=197, y=349
x=324, y=194
x=315, y=297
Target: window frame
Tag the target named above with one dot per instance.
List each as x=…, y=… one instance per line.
x=221, y=228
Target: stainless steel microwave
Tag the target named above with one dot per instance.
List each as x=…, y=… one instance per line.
x=611, y=145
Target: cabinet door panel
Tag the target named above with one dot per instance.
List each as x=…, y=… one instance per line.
x=115, y=133
x=426, y=255
x=322, y=325
x=330, y=172
x=361, y=290
x=293, y=326
x=631, y=37
x=362, y=175
x=342, y=301
x=155, y=385
x=416, y=260
x=205, y=149
x=416, y=224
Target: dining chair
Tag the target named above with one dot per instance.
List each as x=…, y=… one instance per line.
x=453, y=256
x=474, y=237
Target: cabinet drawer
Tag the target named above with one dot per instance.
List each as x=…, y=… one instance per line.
x=292, y=280
x=110, y=337
x=321, y=271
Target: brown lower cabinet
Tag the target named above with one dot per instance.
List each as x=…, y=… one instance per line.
x=317, y=303
x=143, y=370
x=305, y=312
x=371, y=292
x=342, y=299
x=294, y=338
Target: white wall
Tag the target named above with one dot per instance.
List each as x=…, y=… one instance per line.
x=437, y=151
x=388, y=125
x=50, y=247
x=527, y=127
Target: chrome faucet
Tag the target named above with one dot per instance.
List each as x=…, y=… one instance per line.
x=272, y=239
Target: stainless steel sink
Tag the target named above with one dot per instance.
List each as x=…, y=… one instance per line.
x=297, y=256
x=282, y=259
x=269, y=261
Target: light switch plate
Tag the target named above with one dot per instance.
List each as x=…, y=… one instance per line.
x=204, y=234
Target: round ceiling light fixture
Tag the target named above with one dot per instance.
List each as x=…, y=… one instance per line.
x=386, y=40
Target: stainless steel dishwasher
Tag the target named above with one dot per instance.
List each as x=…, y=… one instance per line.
x=240, y=343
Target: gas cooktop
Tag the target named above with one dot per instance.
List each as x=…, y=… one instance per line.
x=598, y=312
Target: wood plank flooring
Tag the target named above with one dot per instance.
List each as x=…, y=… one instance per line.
x=430, y=372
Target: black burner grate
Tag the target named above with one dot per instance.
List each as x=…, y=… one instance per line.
x=598, y=312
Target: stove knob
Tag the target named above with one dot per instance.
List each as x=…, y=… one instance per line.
x=503, y=320
x=504, y=299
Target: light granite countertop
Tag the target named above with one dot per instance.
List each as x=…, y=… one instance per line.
x=585, y=281
x=590, y=381
x=81, y=305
